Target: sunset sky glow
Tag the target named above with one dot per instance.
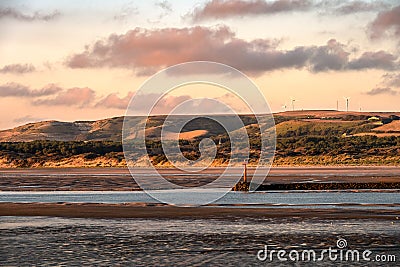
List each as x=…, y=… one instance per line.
x=83, y=60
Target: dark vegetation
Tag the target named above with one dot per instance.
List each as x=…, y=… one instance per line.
x=358, y=146
x=61, y=148
x=348, y=150
x=26, y=154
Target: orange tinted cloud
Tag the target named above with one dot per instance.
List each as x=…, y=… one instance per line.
x=113, y=101
x=18, y=15
x=378, y=60
x=382, y=91
x=392, y=79
x=389, y=81
x=217, y=9
x=386, y=21
x=70, y=97
x=17, y=68
x=19, y=90
x=149, y=50
x=161, y=105
x=167, y=103
x=152, y=48
x=221, y=9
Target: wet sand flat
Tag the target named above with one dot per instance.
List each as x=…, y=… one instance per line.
x=119, y=179
x=160, y=211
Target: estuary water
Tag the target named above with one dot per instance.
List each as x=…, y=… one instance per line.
x=362, y=199
x=53, y=241
x=44, y=241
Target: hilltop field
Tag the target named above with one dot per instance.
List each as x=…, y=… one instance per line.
x=302, y=138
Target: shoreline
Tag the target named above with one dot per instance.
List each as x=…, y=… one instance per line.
x=250, y=167
x=163, y=211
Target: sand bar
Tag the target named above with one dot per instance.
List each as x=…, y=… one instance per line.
x=161, y=211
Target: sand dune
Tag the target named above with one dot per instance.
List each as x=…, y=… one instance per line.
x=393, y=126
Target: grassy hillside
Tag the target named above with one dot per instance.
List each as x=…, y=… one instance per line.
x=107, y=129
x=324, y=138
x=288, y=124
x=319, y=127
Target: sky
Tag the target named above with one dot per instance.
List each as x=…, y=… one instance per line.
x=84, y=60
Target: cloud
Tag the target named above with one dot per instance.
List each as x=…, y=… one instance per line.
x=382, y=91
x=27, y=119
x=359, y=6
x=19, y=90
x=52, y=95
x=331, y=56
x=164, y=5
x=142, y=48
x=378, y=60
x=17, y=68
x=391, y=79
x=147, y=51
x=222, y=9
x=218, y=9
x=113, y=101
x=70, y=97
x=163, y=106
x=385, y=23
x=18, y=15
x=127, y=10
x=166, y=9
x=166, y=104
x=202, y=106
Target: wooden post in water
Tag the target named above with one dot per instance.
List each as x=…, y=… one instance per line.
x=242, y=185
x=245, y=172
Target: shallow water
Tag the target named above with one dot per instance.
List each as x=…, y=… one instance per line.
x=44, y=241
x=365, y=199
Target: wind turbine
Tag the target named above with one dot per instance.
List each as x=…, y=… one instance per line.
x=293, y=100
x=347, y=102
x=284, y=107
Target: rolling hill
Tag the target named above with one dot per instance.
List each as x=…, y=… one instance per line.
x=107, y=129
x=290, y=123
